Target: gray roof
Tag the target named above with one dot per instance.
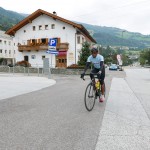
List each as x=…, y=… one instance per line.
x=5, y=36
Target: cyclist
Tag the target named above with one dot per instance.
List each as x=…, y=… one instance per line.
x=98, y=62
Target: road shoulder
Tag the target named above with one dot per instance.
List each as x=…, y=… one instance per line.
x=125, y=124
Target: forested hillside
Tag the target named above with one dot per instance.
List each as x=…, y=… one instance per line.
x=103, y=35
x=117, y=37
x=9, y=18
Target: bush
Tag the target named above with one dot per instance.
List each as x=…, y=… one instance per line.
x=23, y=63
x=75, y=66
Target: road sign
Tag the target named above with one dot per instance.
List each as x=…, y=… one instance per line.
x=52, y=52
x=52, y=44
x=118, y=57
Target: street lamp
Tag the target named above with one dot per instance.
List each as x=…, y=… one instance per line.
x=122, y=40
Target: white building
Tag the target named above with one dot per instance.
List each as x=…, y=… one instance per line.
x=7, y=51
x=32, y=35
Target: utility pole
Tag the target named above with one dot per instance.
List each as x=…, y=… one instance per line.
x=122, y=41
x=119, y=56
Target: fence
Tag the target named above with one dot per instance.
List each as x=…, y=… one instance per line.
x=24, y=70
x=39, y=71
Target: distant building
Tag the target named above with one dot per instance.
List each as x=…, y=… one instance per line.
x=7, y=51
x=31, y=38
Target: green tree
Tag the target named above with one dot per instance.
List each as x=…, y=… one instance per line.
x=109, y=55
x=145, y=57
x=84, y=54
x=126, y=60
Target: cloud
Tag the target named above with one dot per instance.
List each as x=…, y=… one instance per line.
x=126, y=14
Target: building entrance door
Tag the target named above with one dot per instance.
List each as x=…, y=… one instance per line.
x=61, y=60
x=26, y=58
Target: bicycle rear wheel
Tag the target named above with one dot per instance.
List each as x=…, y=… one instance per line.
x=89, y=97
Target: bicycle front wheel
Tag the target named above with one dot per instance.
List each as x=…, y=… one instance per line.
x=89, y=97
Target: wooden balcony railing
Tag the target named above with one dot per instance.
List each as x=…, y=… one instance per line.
x=62, y=46
x=37, y=47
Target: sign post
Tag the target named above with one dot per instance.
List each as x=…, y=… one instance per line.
x=119, y=61
x=52, y=48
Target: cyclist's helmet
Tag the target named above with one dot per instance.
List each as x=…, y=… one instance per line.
x=94, y=50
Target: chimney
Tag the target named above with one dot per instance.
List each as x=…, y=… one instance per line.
x=54, y=13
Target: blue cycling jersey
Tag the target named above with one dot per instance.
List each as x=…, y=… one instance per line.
x=96, y=61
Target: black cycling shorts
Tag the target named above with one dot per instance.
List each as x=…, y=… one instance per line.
x=101, y=77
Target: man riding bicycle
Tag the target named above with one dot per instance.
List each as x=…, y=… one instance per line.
x=98, y=61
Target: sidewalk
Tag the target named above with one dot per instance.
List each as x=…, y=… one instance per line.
x=13, y=85
x=126, y=125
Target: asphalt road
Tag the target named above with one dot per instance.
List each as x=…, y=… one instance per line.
x=139, y=82
x=53, y=118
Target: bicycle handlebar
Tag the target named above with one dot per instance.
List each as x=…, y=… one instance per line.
x=89, y=74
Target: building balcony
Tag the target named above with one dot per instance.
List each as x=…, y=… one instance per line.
x=62, y=46
x=39, y=47
x=29, y=48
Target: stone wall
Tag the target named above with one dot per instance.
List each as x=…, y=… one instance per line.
x=19, y=69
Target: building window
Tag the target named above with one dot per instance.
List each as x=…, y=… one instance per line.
x=33, y=41
x=64, y=28
x=33, y=57
x=0, y=50
x=33, y=28
x=5, y=42
x=43, y=41
x=5, y=51
x=78, y=39
x=9, y=43
x=40, y=27
x=43, y=57
x=14, y=51
x=24, y=31
x=53, y=26
x=46, y=27
x=0, y=41
x=9, y=51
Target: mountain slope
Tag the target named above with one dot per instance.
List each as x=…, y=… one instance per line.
x=117, y=37
x=9, y=18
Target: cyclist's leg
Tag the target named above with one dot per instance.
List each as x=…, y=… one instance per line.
x=102, y=77
x=94, y=70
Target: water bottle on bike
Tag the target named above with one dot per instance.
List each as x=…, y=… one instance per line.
x=97, y=85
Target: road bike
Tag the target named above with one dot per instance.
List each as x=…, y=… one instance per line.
x=92, y=92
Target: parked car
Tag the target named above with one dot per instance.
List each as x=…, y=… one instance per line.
x=113, y=67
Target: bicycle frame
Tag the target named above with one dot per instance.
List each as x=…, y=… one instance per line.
x=93, y=81
x=91, y=93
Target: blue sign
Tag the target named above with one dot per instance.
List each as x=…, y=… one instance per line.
x=52, y=52
x=53, y=42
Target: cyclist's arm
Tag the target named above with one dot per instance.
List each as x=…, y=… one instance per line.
x=101, y=65
x=86, y=66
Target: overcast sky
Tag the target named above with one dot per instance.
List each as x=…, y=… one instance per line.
x=132, y=15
